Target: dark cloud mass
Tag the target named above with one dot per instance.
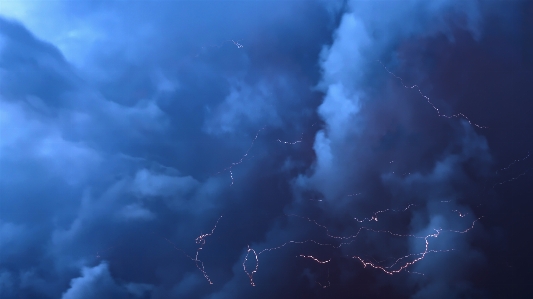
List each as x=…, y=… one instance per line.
x=266, y=149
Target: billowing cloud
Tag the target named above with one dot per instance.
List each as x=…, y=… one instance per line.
x=317, y=149
x=95, y=282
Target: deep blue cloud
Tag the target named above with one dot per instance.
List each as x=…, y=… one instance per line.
x=148, y=148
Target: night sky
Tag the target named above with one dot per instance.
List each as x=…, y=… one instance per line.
x=266, y=149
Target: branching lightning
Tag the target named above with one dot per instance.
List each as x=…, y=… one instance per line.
x=229, y=169
x=457, y=115
x=404, y=265
x=375, y=216
x=251, y=274
x=200, y=240
x=516, y=177
x=400, y=264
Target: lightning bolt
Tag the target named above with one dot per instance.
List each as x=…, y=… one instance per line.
x=314, y=258
x=400, y=264
x=200, y=240
x=457, y=115
x=513, y=163
x=375, y=216
x=513, y=178
x=293, y=142
x=237, y=44
x=422, y=255
x=516, y=177
x=229, y=169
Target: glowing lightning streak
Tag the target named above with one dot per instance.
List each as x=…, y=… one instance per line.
x=229, y=168
x=513, y=178
x=349, y=239
x=375, y=216
x=460, y=214
x=294, y=142
x=201, y=241
x=256, y=254
x=465, y=230
x=514, y=162
x=415, y=254
x=364, y=228
x=422, y=255
x=509, y=166
x=314, y=259
x=237, y=44
x=251, y=274
x=458, y=115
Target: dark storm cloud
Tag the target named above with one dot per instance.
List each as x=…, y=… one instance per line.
x=388, y=146
x=114, y=143
x=121, y=122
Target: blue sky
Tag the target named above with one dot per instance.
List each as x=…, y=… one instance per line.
x=291, y=149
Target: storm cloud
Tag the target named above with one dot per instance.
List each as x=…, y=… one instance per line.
x=237, y=149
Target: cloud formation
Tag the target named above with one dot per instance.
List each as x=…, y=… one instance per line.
x=150, y=148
